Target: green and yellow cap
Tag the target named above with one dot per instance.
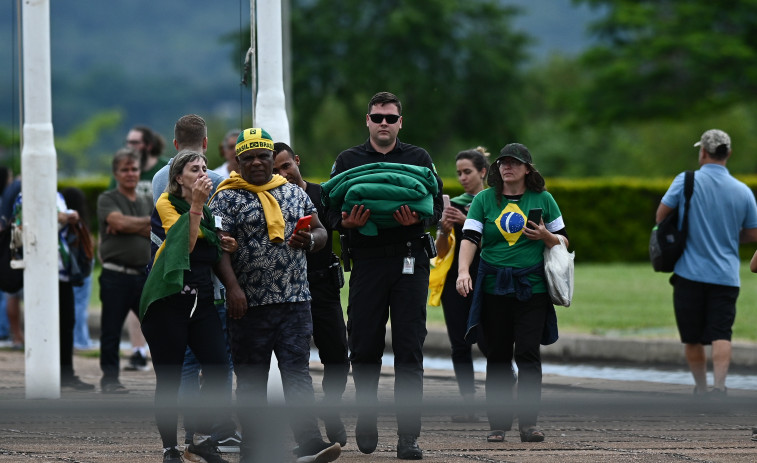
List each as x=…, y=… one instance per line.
x=254, y=138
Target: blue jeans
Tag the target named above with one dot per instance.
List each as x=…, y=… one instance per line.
x=81, y=306
x=189, y=389
x=5, y=329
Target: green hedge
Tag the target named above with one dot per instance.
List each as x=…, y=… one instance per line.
x=608, y=219
x=92, y=187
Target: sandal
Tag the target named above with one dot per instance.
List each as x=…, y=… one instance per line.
x=531, y=435
x=496, y=437
x=754, y=434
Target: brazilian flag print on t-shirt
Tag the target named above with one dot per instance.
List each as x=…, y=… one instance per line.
x=511, y=222
x=503, y=243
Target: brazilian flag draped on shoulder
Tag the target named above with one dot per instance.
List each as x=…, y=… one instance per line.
x=172, y=259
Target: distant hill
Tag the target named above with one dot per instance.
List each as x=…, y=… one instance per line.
x=157, y=60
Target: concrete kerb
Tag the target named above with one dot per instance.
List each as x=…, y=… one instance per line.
x=575, y=348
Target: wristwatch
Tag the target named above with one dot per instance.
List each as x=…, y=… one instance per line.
x=312, y=244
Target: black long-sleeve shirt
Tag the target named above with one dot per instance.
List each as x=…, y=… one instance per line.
x=403, y=153
x=319, y=260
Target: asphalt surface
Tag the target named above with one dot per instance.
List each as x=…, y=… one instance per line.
x=585, y=420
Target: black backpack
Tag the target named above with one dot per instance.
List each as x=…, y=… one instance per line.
x=667, y=242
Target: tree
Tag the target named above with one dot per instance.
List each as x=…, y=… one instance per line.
x=10, y=155
x=661, y=58
x=455, y=65
x=73, y=149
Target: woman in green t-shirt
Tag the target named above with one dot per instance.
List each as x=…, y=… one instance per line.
x=510, y=299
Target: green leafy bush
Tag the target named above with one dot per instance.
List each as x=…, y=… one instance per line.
x=608, y=219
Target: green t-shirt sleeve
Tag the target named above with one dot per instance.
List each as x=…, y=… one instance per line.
x=476, y=211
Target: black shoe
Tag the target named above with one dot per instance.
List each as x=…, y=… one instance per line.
x=113, y=387
x=137, y=362
x=335, y=431
x=366, y=434
x=407, y=448
x=172, y=455
x=73, y=383
x=317, y=451
x=205, y=450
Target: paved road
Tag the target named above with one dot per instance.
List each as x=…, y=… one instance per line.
x=585, y=420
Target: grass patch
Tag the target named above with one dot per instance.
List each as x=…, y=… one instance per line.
x=629, y=300
x=618, y=299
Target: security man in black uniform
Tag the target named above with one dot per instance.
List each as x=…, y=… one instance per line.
x=325, y=278
x=389, y=277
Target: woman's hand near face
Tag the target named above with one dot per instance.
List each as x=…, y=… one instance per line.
x=201, y=190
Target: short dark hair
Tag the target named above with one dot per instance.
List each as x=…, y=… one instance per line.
x=477, y=156
x=190, y=130
x=280, y=146
x=183, y=158
x=150, y=138
x=382, y=98
x=124, y=154
x=721, y=152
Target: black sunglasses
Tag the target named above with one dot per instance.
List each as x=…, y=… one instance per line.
x=390, y=118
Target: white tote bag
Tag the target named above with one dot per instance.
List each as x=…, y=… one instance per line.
x=558, y=267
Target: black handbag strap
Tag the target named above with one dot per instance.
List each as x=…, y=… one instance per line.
x=688, y=190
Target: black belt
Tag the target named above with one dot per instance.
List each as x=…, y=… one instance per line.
x=390, y=250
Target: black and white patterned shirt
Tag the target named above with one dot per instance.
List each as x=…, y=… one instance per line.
x=268, y=273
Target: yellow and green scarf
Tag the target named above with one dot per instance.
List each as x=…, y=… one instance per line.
x=271, y=210
x=172, y=259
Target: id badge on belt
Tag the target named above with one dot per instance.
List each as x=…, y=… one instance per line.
x=408, y=265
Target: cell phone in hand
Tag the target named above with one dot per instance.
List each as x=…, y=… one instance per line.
x=534, y=215
x=447, y=203
x=302, y=224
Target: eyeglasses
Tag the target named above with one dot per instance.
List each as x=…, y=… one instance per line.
x=508, y=161
x=378, y=118
x=133, y=142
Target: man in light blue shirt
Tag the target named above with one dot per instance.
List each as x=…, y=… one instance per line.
x=722, y=214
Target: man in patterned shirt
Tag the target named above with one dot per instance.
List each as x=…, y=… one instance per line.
x=267, y=292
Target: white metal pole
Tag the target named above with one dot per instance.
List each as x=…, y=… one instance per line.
x=38, y=167
x=270, y=107
x=253, y=61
